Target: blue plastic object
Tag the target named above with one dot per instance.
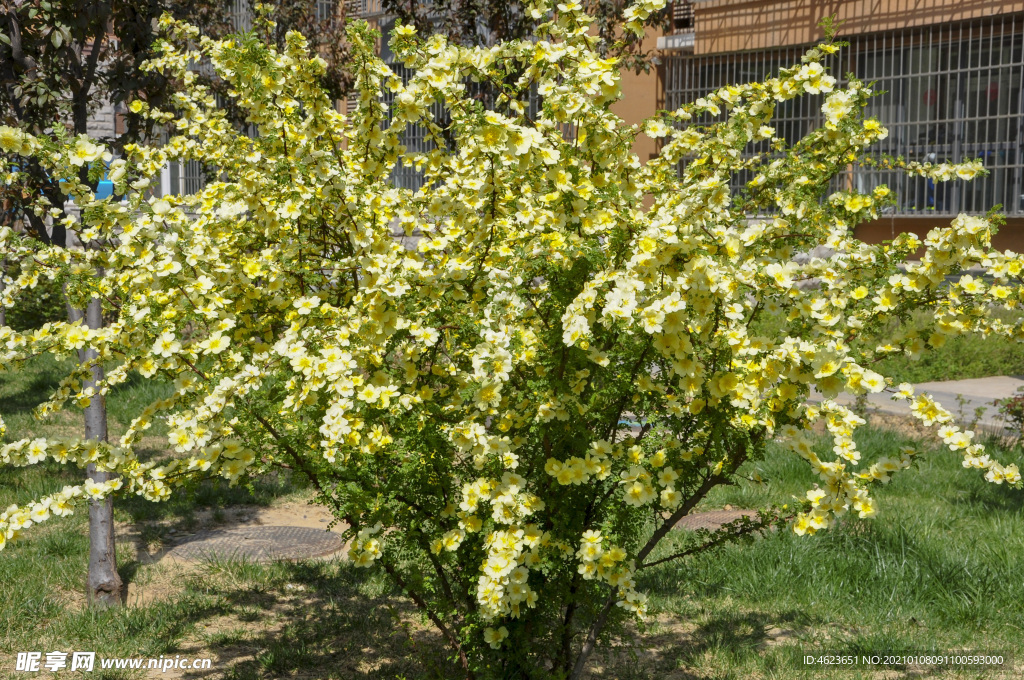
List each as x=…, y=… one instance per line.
x=104, y=188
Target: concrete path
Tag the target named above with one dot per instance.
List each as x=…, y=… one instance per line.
x=975, y=393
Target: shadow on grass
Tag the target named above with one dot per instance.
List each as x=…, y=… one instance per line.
x=311, y=619
x=723, y=643
x=208, y=505
x=20, y=485
x=36, y=381
x=212, y=494
x=32, y=392
x=316, y=620
x=988, y=499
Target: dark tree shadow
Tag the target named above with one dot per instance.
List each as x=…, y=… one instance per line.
x=316, y=620
x=42, y=385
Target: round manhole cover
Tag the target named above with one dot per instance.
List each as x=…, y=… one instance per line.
x=259, y=543
x=712, y=519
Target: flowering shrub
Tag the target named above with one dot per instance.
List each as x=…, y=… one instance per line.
x=459, y=402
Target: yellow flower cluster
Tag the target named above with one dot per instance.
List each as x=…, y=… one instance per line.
x=598, y=560
x=365, y=548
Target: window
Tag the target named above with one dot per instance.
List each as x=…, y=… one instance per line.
x=325, y=10
x=416, y=138
x=682, y=16
x=947, y=93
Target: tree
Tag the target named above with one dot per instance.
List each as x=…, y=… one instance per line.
x=59, y=63
x=62, y=61
x=460, y=405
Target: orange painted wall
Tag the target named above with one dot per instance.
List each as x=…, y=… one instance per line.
x=641, y=98
x=734, y=25
x=1010, y=236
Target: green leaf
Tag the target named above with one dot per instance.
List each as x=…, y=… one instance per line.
x=56, y=37
x=4, y=39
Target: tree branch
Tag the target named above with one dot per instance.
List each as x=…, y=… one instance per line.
x=726, y=533
x=421, y=603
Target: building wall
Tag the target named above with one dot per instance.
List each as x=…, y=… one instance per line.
x=728, y=27
x=641, y=98
x=103, y=122
x=734, y=25
x=1009, y=237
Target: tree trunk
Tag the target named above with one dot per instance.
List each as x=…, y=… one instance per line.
x=3, y=310
x=103, y=583
x=103, y=586
x=591, y=640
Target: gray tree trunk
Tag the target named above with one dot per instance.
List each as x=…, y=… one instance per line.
x=103, y=585
x=3, y=310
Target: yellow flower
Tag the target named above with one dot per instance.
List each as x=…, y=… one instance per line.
x=10, y=138
x=216, y=344
x=494, y=637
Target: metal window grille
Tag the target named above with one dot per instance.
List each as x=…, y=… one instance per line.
x=241, y=15
x=682, y=16
x=948, y=93
x=416, y=138
x=187, y=178
x=325, y=10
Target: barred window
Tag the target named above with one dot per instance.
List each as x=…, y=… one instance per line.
x=325, y=10
x=188, y=177
x=947, y=93
x=416, y=138
x=241, y=15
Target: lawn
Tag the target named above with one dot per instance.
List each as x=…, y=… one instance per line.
x=939, y=569
x=960, y=358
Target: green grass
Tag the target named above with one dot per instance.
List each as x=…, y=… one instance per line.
x=323, y=620
x=938, y=569
x=44, y=575
x=22, y=390
x=961, y=358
